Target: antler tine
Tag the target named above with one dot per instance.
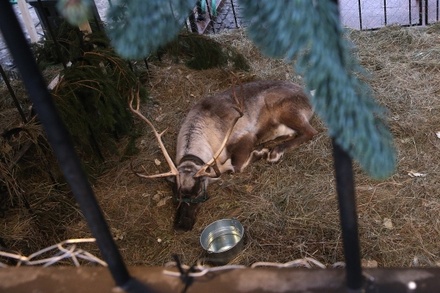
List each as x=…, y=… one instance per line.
x=135, y=110
x=213, y=162
x=150, y=176
x=239, y=103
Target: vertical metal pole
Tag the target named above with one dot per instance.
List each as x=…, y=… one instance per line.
x=409, y=12
x=360, y=14
x=385, y=11
x=233, y=12
x=348, y=216
x=62, y=145
x=426, y=12
x=210, y=16
x=437, y=7
x=193, y=23
x=96, y=17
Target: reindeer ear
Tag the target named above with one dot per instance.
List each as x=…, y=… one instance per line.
x=171, y=179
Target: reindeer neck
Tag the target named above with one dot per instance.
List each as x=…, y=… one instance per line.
x=193, y=141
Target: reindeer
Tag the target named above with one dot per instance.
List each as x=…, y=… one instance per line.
x=228, y=131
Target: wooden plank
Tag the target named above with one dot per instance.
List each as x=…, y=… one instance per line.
x=27, y=20
x=263, y=279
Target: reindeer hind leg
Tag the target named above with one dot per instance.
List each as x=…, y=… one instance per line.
x=305, y=132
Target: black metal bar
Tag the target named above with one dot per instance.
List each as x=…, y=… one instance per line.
x=233, y=12
x=360, y=14
x=426, y=12
x=420, y=12
x=96, y=17
x=385, y=11
x=12, y=93
x=208, y=8
x=193, y=23
x=62, y=145
x=409, y=12
x=348, y=216
x=437, y=7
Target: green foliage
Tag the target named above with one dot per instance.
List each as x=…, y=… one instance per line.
x=92, y=100
x=139, y=27
x=203, y=52
x=46, y=51
x=92, y=95
x=70, y=45
x=309, y=32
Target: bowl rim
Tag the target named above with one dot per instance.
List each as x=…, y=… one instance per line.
x=233, y=223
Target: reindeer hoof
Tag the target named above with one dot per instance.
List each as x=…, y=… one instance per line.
x=274, y=157
x=260, y=154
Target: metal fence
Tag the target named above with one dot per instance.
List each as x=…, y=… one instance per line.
x=374, y=14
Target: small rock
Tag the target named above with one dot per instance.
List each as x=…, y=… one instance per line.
x=388, y=223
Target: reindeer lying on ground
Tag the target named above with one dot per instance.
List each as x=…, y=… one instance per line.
x=227, y=132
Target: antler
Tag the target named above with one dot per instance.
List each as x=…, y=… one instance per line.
x=213, y=162
x=173, y=171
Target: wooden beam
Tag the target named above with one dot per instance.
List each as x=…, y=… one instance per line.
x=264, y=279
x=27, y=20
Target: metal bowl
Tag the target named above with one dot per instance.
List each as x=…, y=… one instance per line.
x=222, y=240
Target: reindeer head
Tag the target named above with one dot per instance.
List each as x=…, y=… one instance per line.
x=189, y=191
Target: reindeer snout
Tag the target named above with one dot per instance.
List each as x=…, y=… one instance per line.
x=185, y=217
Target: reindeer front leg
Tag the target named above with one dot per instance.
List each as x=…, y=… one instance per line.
x=308, y=132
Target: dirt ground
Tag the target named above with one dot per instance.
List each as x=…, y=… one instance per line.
x=288, y=210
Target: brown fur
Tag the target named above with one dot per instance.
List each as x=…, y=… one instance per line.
x=227, y=132
x=271, y=109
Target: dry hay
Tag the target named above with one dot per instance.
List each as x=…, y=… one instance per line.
x=289, y=210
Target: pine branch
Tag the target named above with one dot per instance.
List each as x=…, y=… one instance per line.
x=139, y=27
x=309, y=33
